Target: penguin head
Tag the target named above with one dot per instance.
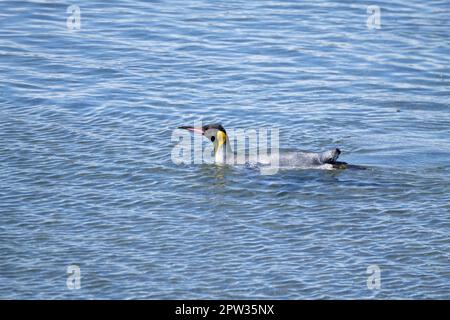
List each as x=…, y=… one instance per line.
x=214, y=132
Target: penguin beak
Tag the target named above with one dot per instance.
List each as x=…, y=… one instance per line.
x=193, y=129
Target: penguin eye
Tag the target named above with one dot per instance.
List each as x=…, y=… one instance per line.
x=213, y=139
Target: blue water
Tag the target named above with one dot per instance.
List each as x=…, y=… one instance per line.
x=86, y=177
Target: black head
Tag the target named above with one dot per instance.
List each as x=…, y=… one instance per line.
x=216, y=126
x=214, y=132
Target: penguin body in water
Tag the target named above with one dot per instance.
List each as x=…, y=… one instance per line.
x=223, y=153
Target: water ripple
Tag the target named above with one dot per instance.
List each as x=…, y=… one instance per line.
x=85, y=143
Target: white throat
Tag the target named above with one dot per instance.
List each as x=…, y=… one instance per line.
x=222, y=149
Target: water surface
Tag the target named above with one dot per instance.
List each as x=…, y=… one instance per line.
x=86, y=118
